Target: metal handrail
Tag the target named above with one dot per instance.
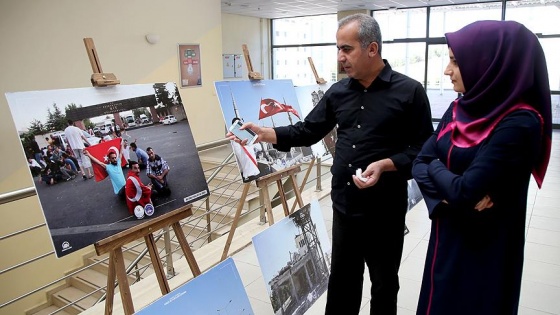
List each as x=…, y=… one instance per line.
x=17, y=195
x=24, y=193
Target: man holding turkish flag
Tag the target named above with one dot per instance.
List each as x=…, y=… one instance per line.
x=108, y=159
x=271, y=107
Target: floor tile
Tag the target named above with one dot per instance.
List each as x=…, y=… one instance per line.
x=540, y=297
x=543, y=253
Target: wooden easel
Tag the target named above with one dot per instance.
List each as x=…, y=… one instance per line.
x=252, y=74
x=262, y=184
x=98, y=78
x=113, y=246
x=317, y=78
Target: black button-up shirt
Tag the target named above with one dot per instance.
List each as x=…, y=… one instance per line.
x=389, y=119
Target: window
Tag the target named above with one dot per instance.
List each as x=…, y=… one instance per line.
x=305, y=30
x=537, y=17
x=406, y=23
x=412, y=44
x=451, y=18
x=406, y=58
x=324, y=59
x=306, y=37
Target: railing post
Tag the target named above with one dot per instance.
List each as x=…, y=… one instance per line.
x=168, y=253
x=261, y=206
x=208, y=220
x=318, y=184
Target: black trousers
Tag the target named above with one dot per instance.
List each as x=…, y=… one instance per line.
x=376, y=241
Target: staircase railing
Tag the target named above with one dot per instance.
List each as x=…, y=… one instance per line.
x=210, y=212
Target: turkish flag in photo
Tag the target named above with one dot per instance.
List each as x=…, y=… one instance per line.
x=290, y=109
x=270, y=107
x=100, y=152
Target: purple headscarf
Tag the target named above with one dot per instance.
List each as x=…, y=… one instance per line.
x=503, y=69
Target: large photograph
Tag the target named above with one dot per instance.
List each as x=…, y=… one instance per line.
x=106, y=159
x=308, y=97
x=295, y=256
x=217, y=291
x=267, y=103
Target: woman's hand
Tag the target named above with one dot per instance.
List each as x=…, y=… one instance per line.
x=484, y=204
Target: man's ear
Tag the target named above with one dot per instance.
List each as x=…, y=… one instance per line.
x=373, y=49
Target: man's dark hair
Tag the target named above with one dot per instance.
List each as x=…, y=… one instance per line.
x=132, y=163
x=133, y=145
x=70, y=122
x=111, y=152
x=368, y=29
x=148, y=149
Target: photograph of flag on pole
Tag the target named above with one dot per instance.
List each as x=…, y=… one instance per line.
x=267, y=103
x=271, y=107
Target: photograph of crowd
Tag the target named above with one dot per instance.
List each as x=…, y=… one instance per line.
x=105, y=159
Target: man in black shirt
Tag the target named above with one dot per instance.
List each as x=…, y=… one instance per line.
x=383, y=119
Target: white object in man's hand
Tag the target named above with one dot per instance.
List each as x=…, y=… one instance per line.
x=359, y=175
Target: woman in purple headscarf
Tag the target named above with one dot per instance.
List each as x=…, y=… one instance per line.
x=474, y=172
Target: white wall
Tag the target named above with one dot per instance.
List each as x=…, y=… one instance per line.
x=255, y=33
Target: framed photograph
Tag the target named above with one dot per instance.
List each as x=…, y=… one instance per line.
x=217, y=291
x=267, y=103
x=72, y=139
x=189, y=65
x=294, y=256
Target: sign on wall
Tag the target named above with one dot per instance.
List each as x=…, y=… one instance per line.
x=189, y=65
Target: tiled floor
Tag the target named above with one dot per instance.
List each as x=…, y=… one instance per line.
x=540, y=293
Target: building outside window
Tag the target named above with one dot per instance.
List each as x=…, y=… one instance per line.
x=414, y=43
x=302, y=38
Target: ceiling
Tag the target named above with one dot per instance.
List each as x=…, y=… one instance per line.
x=273, y=9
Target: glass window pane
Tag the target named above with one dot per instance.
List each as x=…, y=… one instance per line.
x=406, y=23
x=556, y=109
x=439, y=88
x=536, y=16
x=451, y=18
x=406, y=58
x=551, y=47
x=304, y=30
x=295, y=65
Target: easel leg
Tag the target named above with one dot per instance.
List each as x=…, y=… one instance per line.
x=235, y=220
x=303, y=183
x=186, y=248
x=267, y=205
x=156, y=263
x=299, y=199
x=111, y=277
x=282, y=195
x=117, y=260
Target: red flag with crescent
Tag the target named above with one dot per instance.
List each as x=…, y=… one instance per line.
x=100, y=152
x=271, y=107
x=290, y=109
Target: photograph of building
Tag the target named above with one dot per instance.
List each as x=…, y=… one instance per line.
x=294, y=256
